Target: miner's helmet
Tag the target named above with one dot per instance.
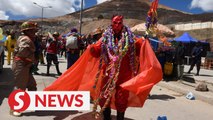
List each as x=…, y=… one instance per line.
x=56, y=34
x=29, y=26
x=97, y=31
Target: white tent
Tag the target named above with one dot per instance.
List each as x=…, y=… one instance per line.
x=162, y=28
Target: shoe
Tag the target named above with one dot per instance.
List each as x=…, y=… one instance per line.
x=36, y=73
x=47, y=74
x=189, y=72
x=197, y=74
x=42, y=63
x=149, y=96
x=59, y=73
x=15, y=113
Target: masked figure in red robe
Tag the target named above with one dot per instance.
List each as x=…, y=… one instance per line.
x=119, y=70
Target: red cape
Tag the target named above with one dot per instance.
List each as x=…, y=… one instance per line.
x=81, y=76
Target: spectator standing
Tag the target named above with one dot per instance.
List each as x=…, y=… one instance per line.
x=72, y=46
x=10, y=44
x=179, y=60
x=63, y=47
x=43, y=49
x=37, y=44
x=196, y=57
x=23, y=60
x=51, y=53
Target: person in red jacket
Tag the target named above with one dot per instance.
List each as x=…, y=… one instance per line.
x=51, y=53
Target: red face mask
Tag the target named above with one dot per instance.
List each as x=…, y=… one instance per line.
x=117, y=24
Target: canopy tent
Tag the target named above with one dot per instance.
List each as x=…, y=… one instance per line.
x=190, y=42
x=162, y=28
x=155, y=43
x=186, y=38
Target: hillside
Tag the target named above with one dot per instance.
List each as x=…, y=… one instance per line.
x=134, y=12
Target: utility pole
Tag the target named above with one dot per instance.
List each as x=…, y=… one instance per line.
x=81, y=16
x=42, y=14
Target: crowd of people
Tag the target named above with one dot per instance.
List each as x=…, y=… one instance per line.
x=116, y=67
x=53, y=45
x=117, y=50
x=30, y=48
x=120, y=55
x=172, y=59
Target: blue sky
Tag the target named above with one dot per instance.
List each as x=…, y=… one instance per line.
x=183, y=5
x=22, y=9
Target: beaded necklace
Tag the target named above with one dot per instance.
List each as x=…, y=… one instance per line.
x=112, y=53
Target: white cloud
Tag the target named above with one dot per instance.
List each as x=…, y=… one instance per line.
x=3, y=16
x=28, y=9
x=205, y=5
x=101, y=1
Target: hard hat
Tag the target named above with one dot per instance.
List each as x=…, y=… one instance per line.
x=29, y=26
x=97, y=31
x=55, y=34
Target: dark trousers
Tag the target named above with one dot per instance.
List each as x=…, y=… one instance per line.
x=107, y=114
x=2, y=58
x=71, y=58
x=196, y=62
x=54, y=58
x=178, y=70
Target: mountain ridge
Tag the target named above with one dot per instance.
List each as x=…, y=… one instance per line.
x=134, y=12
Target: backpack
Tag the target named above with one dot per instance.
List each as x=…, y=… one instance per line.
x=72, y=42
x=168, y=68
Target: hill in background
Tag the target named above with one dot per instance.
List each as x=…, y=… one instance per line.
x=134, y=12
